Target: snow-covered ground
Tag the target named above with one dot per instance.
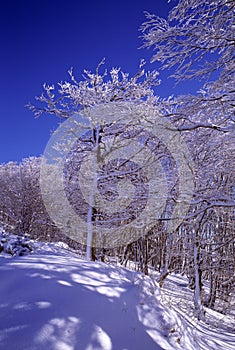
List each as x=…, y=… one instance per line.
x=50, y=299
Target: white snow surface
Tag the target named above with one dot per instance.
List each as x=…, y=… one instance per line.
x=53, y=300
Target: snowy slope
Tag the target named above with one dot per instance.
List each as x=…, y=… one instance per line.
x=52, y=300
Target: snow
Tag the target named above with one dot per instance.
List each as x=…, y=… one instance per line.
x=51, y=299
x=14, y=245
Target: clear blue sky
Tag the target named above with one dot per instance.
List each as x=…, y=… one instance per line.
x=41, y=40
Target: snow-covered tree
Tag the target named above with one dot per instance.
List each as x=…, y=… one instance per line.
x=197, y=41
x=10, y=190
x=99, y=90
x=21, y=207
x=95, y=89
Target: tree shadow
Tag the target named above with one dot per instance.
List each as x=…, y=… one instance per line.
x=54, y=302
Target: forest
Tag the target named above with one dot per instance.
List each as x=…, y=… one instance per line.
x=151, y=178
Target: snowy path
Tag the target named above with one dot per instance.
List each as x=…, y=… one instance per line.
x=52, y=300
x=177, y=296
x=63, y=303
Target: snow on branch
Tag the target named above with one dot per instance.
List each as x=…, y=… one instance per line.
x=96, y=88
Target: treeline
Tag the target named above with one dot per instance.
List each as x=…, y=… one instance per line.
x=202, y=247
x=22, y=210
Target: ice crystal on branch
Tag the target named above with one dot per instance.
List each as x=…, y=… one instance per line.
x=97, y=88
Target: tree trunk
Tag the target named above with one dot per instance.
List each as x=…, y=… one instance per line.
x=198, y=279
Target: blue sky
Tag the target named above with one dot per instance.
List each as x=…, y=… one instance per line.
x=41, y=40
